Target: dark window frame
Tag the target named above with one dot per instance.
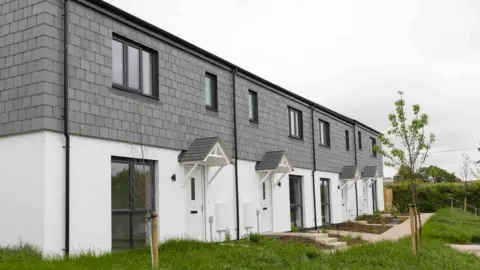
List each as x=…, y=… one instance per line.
x=254, y=105
x=347, y=140
x=131, y=211
x=213, y=77
x=154, y=67
x=264, y=191
x=326, y=129
x=325, y=182
x=373, y=142
x=300, y=123
x=359, y=140
x=297, y=205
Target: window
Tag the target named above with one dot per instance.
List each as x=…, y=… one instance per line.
x=132, y=197
x=347, y=140
x=324, y=133
x=211, y=91
x=296, y=123
x=325, y=200
x=263, y=191
x=296, y=201
x=359, y=140
x=133, y=67
x=252, y=106
x=373, y=142
x=192, y=189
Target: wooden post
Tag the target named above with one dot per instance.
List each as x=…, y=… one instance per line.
x=413, y=230
x=155, y=238
x=451, y=202
x=465, y=204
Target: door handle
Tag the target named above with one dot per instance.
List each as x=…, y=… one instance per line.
x=194, y=212
x=265, y=208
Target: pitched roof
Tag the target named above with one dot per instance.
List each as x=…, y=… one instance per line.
x=370, y=171
x=348, y=172
x=199, y=149
x=270, y=161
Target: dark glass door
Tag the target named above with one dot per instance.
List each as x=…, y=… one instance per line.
x=325, y=200
x=296, y=202
x=132, y=201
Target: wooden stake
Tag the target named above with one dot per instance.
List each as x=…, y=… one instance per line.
x=465, y=204
x=155, y=238
x=412, y=230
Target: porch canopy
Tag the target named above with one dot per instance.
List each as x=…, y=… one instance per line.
x=349, y=173
x=369, y=172
x=273, y=162
x=208, y=152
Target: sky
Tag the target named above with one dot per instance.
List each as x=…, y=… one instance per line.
x=350, y=56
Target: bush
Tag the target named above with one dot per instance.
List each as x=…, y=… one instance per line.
x=294, y=229
x=254, y=237
x=435, y=196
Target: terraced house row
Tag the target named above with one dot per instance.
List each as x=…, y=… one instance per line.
x=105, y=118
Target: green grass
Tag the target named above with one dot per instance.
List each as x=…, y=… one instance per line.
x=274, y=254
x=453, y=226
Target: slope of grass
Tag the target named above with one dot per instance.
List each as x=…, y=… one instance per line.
x=453, y=226
x=446, y=226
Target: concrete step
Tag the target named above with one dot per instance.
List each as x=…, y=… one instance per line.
x=338, y=245
x=328, y=240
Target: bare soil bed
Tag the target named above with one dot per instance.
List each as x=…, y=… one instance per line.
x=386, y=220
x=358, y=227
x=303, y=241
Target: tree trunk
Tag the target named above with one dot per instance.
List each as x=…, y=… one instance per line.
x=417, y=203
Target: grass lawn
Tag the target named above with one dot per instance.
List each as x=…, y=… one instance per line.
x=454, y=226
x=268, y=254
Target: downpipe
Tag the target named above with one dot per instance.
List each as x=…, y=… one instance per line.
x=66, y=127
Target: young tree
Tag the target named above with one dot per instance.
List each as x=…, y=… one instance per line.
x=414, y=144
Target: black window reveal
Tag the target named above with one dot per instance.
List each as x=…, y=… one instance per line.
x=134, y=67
x=347, y=140
x=359, y=140
x=211, y=100
x=263, y=191
x=132, y=197
x=324, y=133
x=192, y=189
x=252, y=106
x=295, y=123
x=296, y=201
x=373, y=142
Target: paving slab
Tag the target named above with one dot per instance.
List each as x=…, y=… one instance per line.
x=474, y=249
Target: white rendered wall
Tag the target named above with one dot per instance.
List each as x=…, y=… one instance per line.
x=22, y=185
x=380, y=200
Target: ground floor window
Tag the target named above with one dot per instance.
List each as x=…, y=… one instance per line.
x=132, y=201
x=325, y=200
x=374, y=195
x=296, y=201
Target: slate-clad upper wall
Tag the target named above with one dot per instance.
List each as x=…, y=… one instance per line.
x=272, y=131
x=31, y=90
x=333, y=158
x=26, y=53
x=364, y=156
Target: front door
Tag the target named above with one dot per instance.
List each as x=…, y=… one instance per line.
x=133, y=198
x=266, y=223
x=195, y=205
x=325, y=200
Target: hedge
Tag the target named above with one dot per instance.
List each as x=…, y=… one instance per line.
x=435, y=196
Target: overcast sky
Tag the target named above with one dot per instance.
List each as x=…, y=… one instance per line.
x=350, y=56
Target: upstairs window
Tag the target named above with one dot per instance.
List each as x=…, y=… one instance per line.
x=211, y=91
x=324, y=133
x=347, y=140
x=296, y=124
x=373, y=142
x=133, y=67
x=359, y=140
x=252, y=106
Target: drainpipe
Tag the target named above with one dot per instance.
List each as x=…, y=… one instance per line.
x=234, y=72
x=66, y=128
x=314, y=169
x=356, y=163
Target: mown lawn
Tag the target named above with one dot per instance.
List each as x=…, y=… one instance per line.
x=268, y=254
x=454, y=226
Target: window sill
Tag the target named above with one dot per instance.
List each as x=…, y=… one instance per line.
x=325, y=146
x=296, y=138
x=123, y=88
x=211, y=108
x=253, y=121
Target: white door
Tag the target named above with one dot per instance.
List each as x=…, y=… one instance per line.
x=195, y=205
x=266, y=224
